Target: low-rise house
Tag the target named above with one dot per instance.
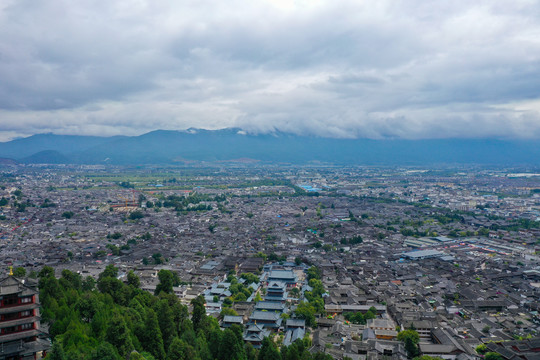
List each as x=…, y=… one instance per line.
x=212, y=307
x=295, y=324
x=423, y=327
x=449, y=351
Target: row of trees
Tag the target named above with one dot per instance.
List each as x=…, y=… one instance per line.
x=193, y=202
x=315, y=304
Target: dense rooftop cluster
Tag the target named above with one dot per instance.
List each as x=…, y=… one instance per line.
x=450, y=255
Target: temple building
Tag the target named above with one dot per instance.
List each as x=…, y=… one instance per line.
x=20, y=334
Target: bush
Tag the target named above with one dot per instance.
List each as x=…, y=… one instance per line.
x=136, y=215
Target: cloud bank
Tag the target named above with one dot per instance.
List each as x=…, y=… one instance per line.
x=368, y=69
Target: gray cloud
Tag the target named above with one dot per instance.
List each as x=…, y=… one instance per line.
x=399, y=69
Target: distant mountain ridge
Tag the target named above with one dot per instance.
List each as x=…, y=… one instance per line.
x=233, y=146
x=65, y=144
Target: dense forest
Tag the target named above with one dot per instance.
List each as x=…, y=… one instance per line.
x=109, y=319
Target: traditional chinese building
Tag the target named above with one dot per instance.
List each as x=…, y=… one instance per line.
x=19, y=322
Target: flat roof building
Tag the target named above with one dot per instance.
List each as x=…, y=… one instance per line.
x=423, y=254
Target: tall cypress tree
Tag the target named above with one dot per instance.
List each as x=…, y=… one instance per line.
x=268, y=351
x=56, y=352
x=230, y=348
x=118, y=335
x=199, y=312
x=150, y=337
x=166, y=322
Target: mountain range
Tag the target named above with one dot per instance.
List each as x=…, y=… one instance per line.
x=233, y=145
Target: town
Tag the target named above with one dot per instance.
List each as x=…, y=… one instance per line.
x=349, y=257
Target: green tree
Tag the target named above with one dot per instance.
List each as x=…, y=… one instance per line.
x=88, y=284
x=307, y=312
x=214, y=339
x=180, y=350
x=251, y=353
x=116, y=288
x=166, y=322
x=133, y=279
x=166, y=282
x=322, y=356
x=250, y=278
x=67, y=214
x=87, y=306
x=230, y=347
x=292, y=353
x=158, y=258
x=199, y=312
x=410, y=339
x=110, y=271
x=46, y=272
x=228, y=311
x=71, y=279
x=240, y=297
x=115, y=250
x=201, y=345
x=19, y=272
x=313, y=273
x=402, y=335
x=147, y=356
x=493, y=356
x=411, y=348
x=56, y=352
x=481, y=349
x=261, y=255
x=136, y=215
x=136, y=356
x=268, y=350
x=105, y=351
x=150, y=337
x=115, y=235
x=118, y=335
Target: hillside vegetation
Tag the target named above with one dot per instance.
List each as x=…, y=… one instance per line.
x=108, y=319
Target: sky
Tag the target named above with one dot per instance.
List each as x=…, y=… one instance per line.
x=411, y=69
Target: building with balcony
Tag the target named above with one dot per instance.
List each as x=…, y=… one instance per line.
x=20, y=334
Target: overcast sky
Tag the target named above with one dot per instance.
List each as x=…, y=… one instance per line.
x=376, y=69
